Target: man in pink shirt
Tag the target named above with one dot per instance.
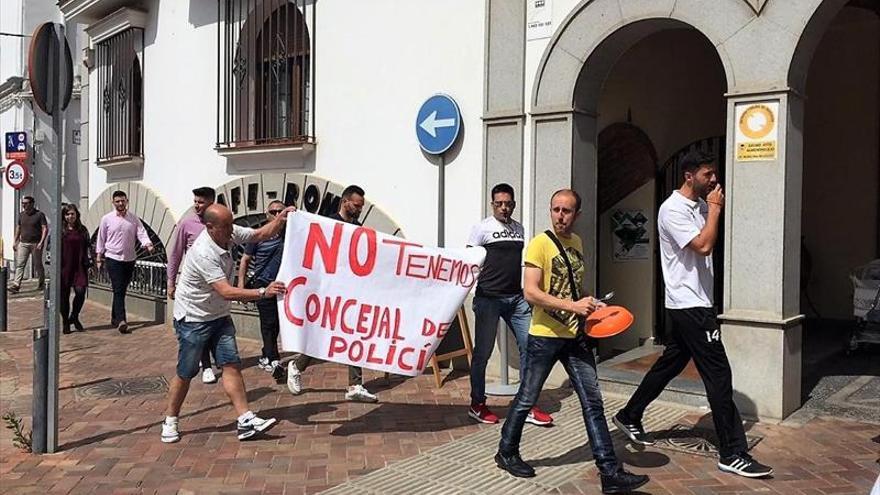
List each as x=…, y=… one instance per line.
x=187, y=230
x=118, y=234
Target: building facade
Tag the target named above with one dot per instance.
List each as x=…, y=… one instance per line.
x=295, y=99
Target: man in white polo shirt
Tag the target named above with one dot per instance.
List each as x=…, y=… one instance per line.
x=202, y=318
x=688, y=224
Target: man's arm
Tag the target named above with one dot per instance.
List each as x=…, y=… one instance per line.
x=174, y=258
x=242, y=269
x=704, y=242
x=17, y=237
x=99, y=244
x=231, y=293
x=272, y=228
x=142, y=235
x=44, y=233
x=537, y=297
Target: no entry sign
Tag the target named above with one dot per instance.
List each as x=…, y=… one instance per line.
x=17, y=175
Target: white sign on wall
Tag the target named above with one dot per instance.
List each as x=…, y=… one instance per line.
x=359, y=297
x=757, y=131
x=539, y=19
x=630, y=235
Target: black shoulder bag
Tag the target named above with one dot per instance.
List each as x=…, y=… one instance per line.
x=580, y=334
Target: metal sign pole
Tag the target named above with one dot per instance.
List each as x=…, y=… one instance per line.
x=56, y=226
x=441, y=203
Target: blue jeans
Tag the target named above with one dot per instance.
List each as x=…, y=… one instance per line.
x=517, y=313
x=580, y=365
x=193, y=337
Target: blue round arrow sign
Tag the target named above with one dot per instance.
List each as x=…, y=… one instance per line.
x=438, y=124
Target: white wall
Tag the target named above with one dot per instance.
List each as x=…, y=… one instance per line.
x=376, y=62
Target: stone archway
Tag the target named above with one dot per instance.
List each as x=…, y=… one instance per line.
x=248, y=196
x=143, y=202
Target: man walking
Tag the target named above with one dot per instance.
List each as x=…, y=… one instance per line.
x=202, y=317
x=117, y=236
x=499, y=295
x=554, y=275
x=187, y=230
x=266, y=256
x=350, y=206
x=30, y=239
x=688, y=224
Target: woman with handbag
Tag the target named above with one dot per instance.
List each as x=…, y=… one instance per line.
x=75, y=263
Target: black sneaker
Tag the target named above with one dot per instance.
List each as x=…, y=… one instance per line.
x=622, y=481
x=633, y=430
x=514, y=465
x=278, y=372
x=744, y=465
x=253, y=426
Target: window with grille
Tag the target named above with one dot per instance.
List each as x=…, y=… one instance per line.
x=264, y=73
x=120, y=96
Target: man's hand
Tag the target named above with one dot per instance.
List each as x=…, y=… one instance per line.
x=276, y=288
x=99, y=262
x=15, y=246
x=149, y=248
x=171, y=289
x=283, y=214
x=586, y=306
x=716, y=197
x=41, y=245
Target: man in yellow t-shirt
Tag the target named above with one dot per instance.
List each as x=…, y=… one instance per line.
x=558, y=309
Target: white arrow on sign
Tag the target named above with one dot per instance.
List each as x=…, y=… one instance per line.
x=432, y=123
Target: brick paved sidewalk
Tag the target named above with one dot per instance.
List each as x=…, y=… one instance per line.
x=111, y=445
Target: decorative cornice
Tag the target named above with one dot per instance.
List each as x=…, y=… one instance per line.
x=115, y=23
x=756, y=5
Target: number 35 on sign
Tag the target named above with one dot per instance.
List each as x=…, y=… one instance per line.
x=17, y=175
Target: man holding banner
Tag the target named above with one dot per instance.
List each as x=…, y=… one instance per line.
x=553, y=282
x=202, y=316
x=499, y=295
x=350, y=206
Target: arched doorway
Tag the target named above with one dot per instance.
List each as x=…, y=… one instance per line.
x=664, y=94
x=840, y=218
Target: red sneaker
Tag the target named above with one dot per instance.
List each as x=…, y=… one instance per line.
x=482, y=414
x=539, y=417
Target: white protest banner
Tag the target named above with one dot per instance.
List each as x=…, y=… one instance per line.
x=359, y=297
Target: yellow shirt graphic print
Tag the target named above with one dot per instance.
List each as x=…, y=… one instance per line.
x=542, y=253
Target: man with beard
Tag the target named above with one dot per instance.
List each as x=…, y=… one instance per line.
x=187, y=230
x=553, y=284
x=688, y=224
x=118, y=234
x=350, y=206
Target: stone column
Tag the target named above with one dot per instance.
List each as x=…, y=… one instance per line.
x=761, y=317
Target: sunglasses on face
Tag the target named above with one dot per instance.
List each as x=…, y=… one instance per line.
x=275, y=212
x=499, y=204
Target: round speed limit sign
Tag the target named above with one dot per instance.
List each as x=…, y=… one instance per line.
x=17, y=175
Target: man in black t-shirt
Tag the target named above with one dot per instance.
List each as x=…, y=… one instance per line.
x=350, y=206
x=499, y=295
x=30, y=239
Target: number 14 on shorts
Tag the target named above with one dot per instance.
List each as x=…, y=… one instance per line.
x=713, y=336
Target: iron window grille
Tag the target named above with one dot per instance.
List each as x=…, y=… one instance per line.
x=120, y=96
x=265, y=73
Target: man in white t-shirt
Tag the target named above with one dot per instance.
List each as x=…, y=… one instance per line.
x=202, y=316
x=688, y=224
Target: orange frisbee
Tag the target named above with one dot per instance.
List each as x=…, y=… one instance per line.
x=608, y=321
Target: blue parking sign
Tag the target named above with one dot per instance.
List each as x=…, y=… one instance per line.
x=16, y=145
x=438, y=124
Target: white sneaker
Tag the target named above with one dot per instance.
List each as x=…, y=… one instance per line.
x=357, y=393
x=294, y=379
x=253, y=426
x=169, y=432
x=264, y=365
x=208, y=376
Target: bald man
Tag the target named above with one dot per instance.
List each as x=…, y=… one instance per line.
x=202, y=318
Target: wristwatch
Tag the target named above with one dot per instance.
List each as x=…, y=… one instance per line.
x=262, y=291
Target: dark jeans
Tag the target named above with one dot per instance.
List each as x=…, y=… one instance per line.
x=69, y=314
x=269, y=328
x=694, y=333
x=517, y=313
x=580, y=365
x=120, y=273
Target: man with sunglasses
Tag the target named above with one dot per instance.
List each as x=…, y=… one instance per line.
x=499, y=295
x=30, y=239
x=266, y=257
x=351, y=204
x=186, y=233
